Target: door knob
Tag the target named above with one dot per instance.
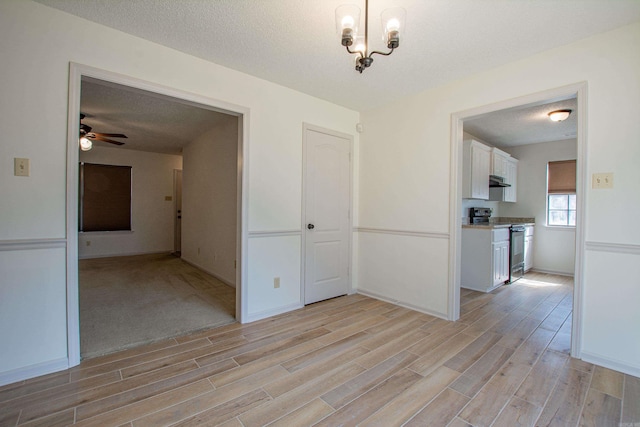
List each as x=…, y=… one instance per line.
x=311, y=226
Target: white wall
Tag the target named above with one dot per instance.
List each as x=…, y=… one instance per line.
x=151, y=215
x=37, y=44
x=28, y=282
x=404, y=185
x=553, y=247
x=209, y=200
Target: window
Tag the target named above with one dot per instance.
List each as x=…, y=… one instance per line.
x=562, y=210
x=105, y=197
x=561, y=193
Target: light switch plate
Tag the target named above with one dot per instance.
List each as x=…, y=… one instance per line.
x=602, y=180
x=20, y=167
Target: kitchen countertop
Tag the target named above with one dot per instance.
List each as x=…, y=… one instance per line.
x=495, y=225
x=502, y=222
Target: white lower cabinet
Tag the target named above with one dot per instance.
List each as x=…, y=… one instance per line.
x=485, y=258
x=528, y=248
x=500, y=262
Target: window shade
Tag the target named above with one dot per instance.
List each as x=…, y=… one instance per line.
x=562, y=177
x=105, y=197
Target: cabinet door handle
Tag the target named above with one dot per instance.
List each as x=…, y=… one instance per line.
x=311, y=226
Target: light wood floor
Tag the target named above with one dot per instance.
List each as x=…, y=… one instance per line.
x=351, y=360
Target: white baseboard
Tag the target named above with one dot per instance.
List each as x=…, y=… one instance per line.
x=557, y=273
x=401, y=303
x=212, y=273
x=607, y=362
x=272, y=312
x=33, y=371
x=122, y=254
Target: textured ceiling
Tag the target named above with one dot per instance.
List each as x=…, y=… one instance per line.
x=294, y=42
x=152, y=122
x=524, y=125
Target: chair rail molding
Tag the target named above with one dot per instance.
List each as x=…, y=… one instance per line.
x=619, y=248
x=31, y=244
x=414, y=233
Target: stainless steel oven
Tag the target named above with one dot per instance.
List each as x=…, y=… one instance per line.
x=516, y=252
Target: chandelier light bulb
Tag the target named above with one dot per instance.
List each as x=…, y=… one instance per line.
x=393, y=25
x=392, y=22
x=360, y=47
x=347, y=22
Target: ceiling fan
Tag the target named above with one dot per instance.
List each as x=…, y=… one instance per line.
x=86, y=134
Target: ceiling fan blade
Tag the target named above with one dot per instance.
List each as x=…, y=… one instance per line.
x=101, y=138
x=111, y=135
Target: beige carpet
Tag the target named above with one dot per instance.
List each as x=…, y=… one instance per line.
x=130, y=301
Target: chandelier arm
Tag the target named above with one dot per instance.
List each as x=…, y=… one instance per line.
x=353, y=51
x=381, y=53
x=375, y=51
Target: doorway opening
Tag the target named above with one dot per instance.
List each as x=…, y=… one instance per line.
x=188, y=238
x=460, y=131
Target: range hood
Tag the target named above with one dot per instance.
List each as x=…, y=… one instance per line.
x=497, y=181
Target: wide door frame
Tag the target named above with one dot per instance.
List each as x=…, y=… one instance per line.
x=76, y=73
x=577, y=90
x=303, y=261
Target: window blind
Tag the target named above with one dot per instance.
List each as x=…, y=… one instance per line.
x=562, y=177
x=105, y=197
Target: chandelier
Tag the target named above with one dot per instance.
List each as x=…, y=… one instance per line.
x=348, y=22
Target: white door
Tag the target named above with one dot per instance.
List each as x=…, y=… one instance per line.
x=327, y=226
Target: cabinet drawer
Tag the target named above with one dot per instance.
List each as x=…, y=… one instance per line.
x=500, y=234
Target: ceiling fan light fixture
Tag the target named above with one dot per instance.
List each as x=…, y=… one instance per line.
x=85, y=144
x=559, y=115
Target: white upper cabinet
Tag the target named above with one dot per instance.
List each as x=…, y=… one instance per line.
x=502, y=164
x=499, y=160
x=511, y=177
x=476, y=167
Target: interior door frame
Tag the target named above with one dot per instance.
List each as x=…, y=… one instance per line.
x=579, y=90
x=76, y=73
x=177, y=213
x=303, y=242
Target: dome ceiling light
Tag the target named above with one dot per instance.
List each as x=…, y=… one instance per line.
x=559, y=115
